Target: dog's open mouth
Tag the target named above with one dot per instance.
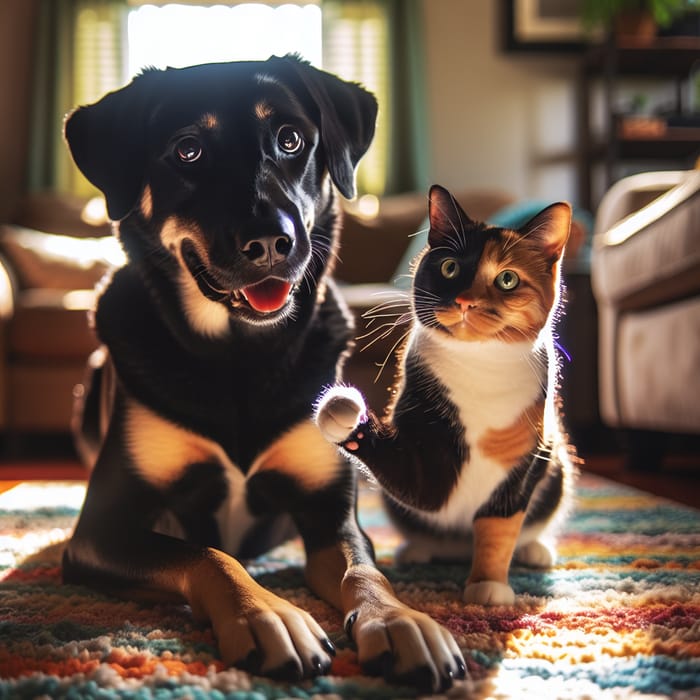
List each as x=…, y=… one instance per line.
x=265, y=297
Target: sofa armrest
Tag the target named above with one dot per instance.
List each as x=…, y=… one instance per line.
x=652, y=256
x=7, y=307
x=7, y=290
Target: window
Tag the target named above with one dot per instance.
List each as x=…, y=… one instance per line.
x=183, y=35
x=348, y=39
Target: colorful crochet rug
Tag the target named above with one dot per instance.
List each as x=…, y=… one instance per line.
x=618, y=617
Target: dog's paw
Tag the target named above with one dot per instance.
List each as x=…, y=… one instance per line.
x=488, y=593
x=277, y=640
x=407, y=647
x=338, y=413
x=401, y=644
x=536, y=554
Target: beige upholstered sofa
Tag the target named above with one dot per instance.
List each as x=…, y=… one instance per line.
x=646, y=281
x=46, y=282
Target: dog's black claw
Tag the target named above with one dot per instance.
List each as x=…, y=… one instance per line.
x=447, y=680
x=252, y=662
x=328, y=646
x=318, y=667
x=420, y=678
x=379, y=666
x=290, y=671
x=350, y=623
x=461, y=669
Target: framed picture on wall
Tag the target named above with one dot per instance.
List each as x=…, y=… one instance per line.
x=544, y=25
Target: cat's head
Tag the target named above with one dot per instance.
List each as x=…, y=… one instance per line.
x=478, y=282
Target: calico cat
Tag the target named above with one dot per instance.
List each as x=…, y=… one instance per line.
x=471, y=455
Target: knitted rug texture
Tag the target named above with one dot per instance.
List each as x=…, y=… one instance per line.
x=617, y=617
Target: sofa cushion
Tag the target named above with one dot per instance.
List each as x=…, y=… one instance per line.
x=650, y=394
x=64, y=214
x=51, y=325
x=51, y=261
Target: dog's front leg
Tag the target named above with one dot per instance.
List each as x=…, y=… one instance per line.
x=396, y=641
x=306, y=476
x=255, y=629
x=114, y=547
x=392, y=639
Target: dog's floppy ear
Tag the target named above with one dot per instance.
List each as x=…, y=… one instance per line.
x=108, y=149
x=348, y=115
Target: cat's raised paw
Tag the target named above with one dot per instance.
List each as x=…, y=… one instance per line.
x=339, y=411
x=488, y=593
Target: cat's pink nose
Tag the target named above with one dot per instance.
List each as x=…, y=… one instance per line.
x=465, y=302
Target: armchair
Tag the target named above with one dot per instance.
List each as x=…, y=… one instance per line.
x=645, y=272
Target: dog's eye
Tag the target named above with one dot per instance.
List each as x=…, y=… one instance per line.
x=188, y=149
x=290, y=140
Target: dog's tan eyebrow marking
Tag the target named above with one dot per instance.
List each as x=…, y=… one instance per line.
x=209, y=121
x=263, y=110
x=147, y=202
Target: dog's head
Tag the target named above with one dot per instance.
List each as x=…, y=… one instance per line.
x=219, y=176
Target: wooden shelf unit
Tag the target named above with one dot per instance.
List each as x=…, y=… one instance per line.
x=667, y=58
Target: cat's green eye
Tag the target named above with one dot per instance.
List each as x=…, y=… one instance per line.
x=449, y=268
x=507, y=280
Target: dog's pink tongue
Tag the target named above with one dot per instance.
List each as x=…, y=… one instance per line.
x=268, y=295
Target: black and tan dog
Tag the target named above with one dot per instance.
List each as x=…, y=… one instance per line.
x=222, y=329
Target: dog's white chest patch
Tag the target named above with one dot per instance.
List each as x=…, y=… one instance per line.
x=233, y=518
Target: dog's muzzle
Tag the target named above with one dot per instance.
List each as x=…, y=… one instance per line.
x=267, y=296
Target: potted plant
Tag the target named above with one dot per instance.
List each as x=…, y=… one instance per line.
x=637, y=18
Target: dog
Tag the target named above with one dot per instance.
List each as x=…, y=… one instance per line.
x=218, y=334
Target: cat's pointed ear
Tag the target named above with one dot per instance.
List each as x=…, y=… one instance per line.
x=446, y=216
x=550, y=228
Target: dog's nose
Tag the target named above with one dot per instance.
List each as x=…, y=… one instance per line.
x=268, y=250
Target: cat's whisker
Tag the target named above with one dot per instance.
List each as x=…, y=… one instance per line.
x=419, y=232
x=391, y=351
x=377, y=334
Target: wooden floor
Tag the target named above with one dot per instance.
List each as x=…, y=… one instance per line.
x=677, y=479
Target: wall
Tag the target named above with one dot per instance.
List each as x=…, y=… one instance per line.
x=496, y=116
x=17, y=18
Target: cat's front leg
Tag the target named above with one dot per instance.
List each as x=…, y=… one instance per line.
x=339, y=412
x=494, y=543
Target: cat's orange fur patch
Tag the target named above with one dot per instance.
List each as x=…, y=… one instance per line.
x=508, y=445
x=494, y=544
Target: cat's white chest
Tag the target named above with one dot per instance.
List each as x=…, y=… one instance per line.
x=491, y=384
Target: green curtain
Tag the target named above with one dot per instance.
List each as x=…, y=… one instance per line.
x=381, y=44
x=408, y=163
x=78, y=57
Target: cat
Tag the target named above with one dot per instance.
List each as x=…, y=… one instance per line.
x=471, y=455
